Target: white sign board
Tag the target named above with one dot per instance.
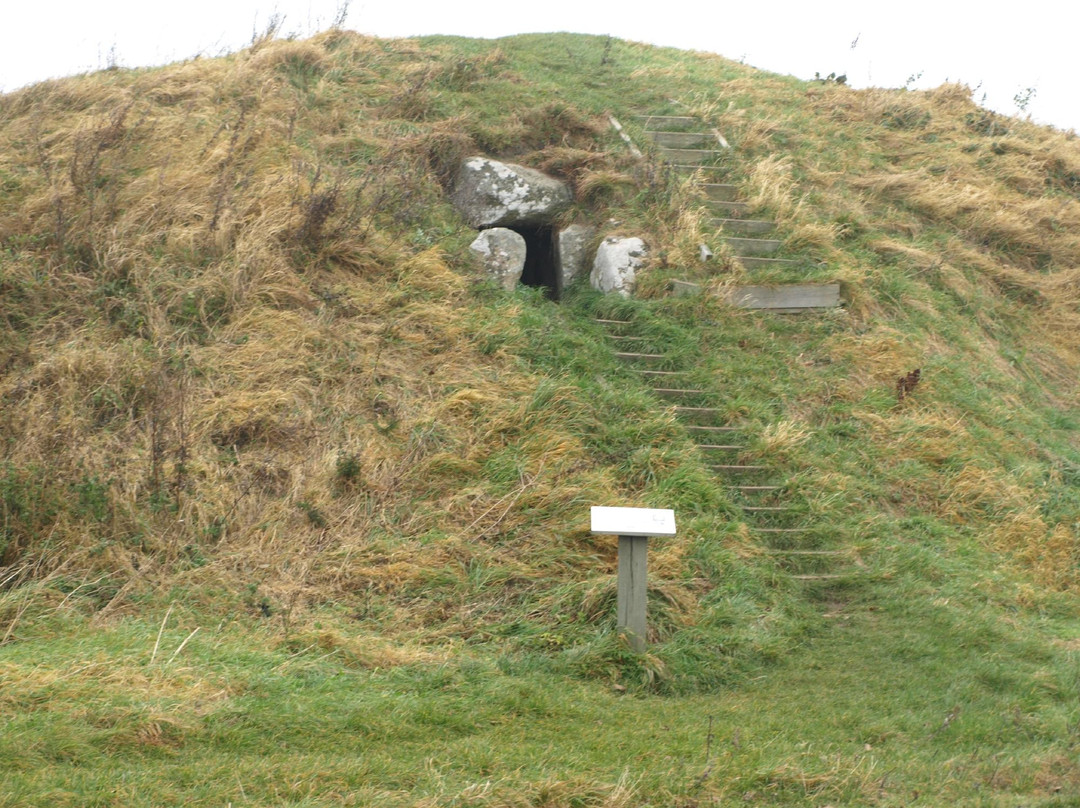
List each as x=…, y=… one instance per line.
x=633, y=521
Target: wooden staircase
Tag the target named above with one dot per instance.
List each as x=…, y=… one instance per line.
x=686, y=146
x=775, y=514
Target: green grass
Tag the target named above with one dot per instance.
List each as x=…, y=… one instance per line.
x=934, y=693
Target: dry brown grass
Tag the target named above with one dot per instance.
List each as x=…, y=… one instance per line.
x=770, y=186
x=234, y=313
x=781, y=438
x=219, y=304
x=1048, y=552
x=878, y=357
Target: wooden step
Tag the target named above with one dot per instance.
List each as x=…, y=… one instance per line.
x=690, y=169
x=745, y=488
x=750, y=226
x=774, y=551
x=782, y=529
x=659, y=373
x=636, y=356
x=697, y=428
x=701, y=411
x=728, y=208
x=628, y=339
x=674, y=391
x=765, y=509
x=781, y=298
x=612, y=322
x=721, y=191
x=689, y=157
x=735, y=467
x=789, y=298
x=685, y=288
x=757, y=262
x=681, y=140
x=667, y=120
x=830, y=577
x=753, y=246
x=720, y=447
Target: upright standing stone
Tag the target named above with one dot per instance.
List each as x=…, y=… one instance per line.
x=616, y=264
x=571, y=254
x=501, y=252
x=493, y=194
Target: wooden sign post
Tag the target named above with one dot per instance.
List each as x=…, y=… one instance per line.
x=633, y=526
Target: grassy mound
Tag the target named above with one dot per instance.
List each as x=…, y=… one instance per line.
x=292, y=499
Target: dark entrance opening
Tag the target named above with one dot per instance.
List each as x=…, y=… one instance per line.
x=540, y=254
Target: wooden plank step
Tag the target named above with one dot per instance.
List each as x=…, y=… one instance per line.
x=786, y=297
x=720, y=447
x=688, y=170
x=721, y=191
x=753, y=246
x=735, y=467
x=700, y=411
x=755, y=487
x=728, y=207
x=681, y=140
x=628, y=339
x=647, y=372
x=782, y=529
x=765, y=509
x=667, y=120
x=774, y=551
x=632, y=356
x=698, y=428
x=757, y=262
x=675, y=391
x=830, y=577
x=685, y=288
x=688, y=157
x=612, y=322
x=751, y=226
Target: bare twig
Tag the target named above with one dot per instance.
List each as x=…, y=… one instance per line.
x=176, y=653
x=634, y=150
x=157, y=642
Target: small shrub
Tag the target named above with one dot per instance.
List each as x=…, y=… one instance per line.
x=93, y=499
x=347, y=470
x=314, y=516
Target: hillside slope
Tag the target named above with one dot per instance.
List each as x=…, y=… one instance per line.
x=251, y=380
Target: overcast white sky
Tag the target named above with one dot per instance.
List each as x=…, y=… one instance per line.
x=999, y=50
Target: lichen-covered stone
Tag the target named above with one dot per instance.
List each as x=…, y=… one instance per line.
x=501, y=253
x=572, y=252
x=493, y=194
x=616, y=264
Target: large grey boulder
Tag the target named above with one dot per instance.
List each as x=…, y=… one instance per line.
x=616, y=264
x=493, y=194
x=571, y=254
x=501, y=253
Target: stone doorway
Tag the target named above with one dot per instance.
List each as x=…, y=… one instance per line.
x=541, y=268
